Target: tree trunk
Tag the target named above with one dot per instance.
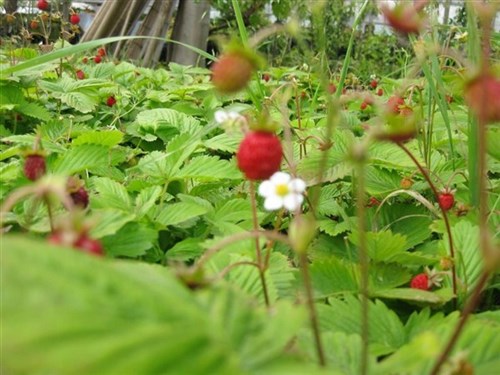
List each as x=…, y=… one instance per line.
x=111, y=19
x=191, y=27
x=10, y=6
x=154, y=47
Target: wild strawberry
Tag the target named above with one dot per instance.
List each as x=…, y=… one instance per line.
x=111, y=101
x=97, y=59
x=373, y=202
x=373, y=84
x=394, y=104
x=332, y=89
x=420, y=281
x=266, y=77
x=446, y=199
x=42, y=4
x=259, y=155
x=232, y=72
x=80, y=74
x=101, y=52
x=404, y=17
x=380, y=92
x=481, y=94
x=34, y=166
x=85, y=60
x=406, y=183
x=80, y=197
x=74, y=19
x=363, y=106
x=89, y=245
x=34, y=24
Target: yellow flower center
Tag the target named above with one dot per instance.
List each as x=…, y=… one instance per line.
x=282, y=190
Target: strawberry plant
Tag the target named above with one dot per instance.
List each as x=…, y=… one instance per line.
x=232, y=220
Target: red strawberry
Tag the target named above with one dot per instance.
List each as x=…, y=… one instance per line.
x=259, y=155
x=80, y=197
x=97, y=59
x=420, y=281
x=34, y=166
x=332, y=88
x=232, y=72
x=42, y=4
x=380, y=92
x=373, y=202
x=89, y=245
x=80, y=74
x=101, y=52
x=481, y=94
x=394, y=104
x=446, y=199
x=404, y=17
x=34, y=24
x=74, y=19
x=406, y=183
x=363, y=106
x=373, y=84
x=266, y=77
x=111, y=101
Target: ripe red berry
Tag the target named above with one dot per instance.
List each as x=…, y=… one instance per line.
x=101, y=52
x=89, y=245
x=97, y=59
x=259, y=155
x=80, y=197
x=74, y=19
x=404, y=17
x=380, y=92
x=373, y=202
x=266, y=77
x=332, y=88
x=481, y=94
x=42, y=4
x=34, y=24
x=34, y=166
x=363, y=106
x=394, y=104
x=80, y=74
x=446, y=200
x=406, y=183
x=420, y=281
x=111, y=101
x=231, y=72
x=373, y=84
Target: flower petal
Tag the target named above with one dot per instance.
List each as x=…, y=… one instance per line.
x=266, y=189
x=273, y=203
x=280, y=178
x=233, y=115
x=293, y=201
x=297, y=185
x=220, y=116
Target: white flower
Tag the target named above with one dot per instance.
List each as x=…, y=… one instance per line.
x=282, y=191
x=230, y=120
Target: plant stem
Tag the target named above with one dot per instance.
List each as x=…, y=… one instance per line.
x=49, y=212
x=304, y=267
x=363, y=262
x=468, y=309
x=258, y=255
x=445, y=215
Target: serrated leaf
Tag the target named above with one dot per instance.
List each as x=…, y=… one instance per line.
x=176, y=213
x=34, y=110
x=108, y=138
x=146, y=200
x=108, y=221
x=382, y=246
x=80, y=101
x=80, y=158
x=209, y=168
x=224, y=142
x=131, y=240
x=185, y=250
x=332, y=276
x=111, y=194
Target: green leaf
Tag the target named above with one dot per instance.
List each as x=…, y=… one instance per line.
x=108, y=138
x=80, y=158
x=381, y=246
x=185, y=250
x=34, y=110
x=177, y=213
x=80, y=101
x=224, y=142
x=131, y=240
x=332, y=276
x=209, y=168
x=146, y=200
x=111, y=194
x=416, y=295
x=108, y=221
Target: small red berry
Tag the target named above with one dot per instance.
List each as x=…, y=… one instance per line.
x=101, y=52
x=373, y=202
x=380, y=92
x=420, y=281
x=406, y=183
x=34, y=166
x=89, y=245
x=404, y=17
x=111, y=101
x=80, y=198
x=394, y=104
x=74, y=19
x=80, y=74
x=363, y=106
x=259, y=155
x=446, y=200
x=374, y=84
x=266, y=77
x=97, y=59
x=232, y=72
x=481, y=94
x=42, y=4
x=34, y=24
x=332, y=88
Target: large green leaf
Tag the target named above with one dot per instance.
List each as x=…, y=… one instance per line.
x=80, y=158
x=111, y=194
x=131, y=240
x=209, y=168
